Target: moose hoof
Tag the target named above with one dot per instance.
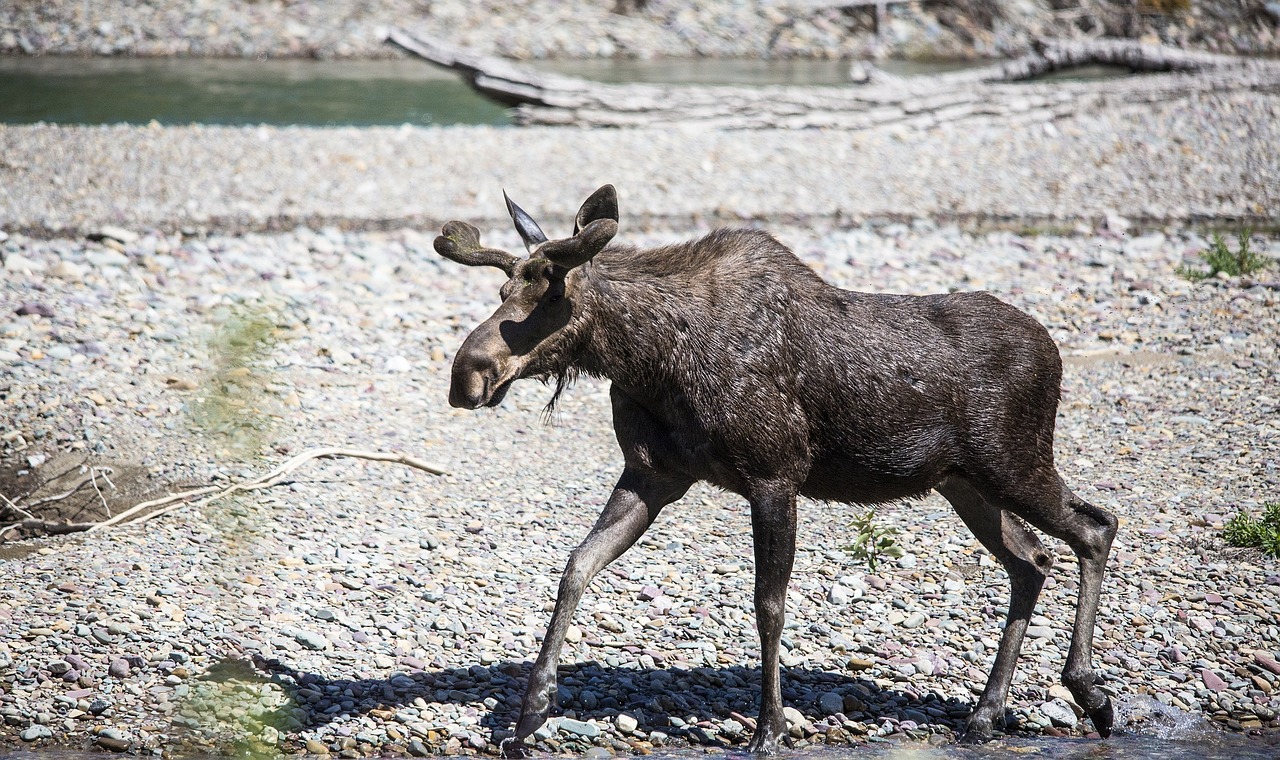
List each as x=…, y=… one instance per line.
x=514, y=747
x=1104, y=718
x=974, y=736
x=764, y=744
x=977, y=731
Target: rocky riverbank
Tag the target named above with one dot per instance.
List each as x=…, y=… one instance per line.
x=1208, y=159
x=638, y=28
x=365, y=608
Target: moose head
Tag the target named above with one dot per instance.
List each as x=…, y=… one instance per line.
x=524, y=336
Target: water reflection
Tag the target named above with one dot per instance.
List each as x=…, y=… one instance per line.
x=182, y=91
x=337, y=93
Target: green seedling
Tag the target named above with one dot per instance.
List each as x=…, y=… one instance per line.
x=871, y=542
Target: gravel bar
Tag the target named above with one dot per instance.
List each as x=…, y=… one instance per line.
x=1210, y=159
x=365, y=608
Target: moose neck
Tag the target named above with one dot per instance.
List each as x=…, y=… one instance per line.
x=635, y=322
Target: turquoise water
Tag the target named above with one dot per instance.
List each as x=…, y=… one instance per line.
x=1146, y=730
x=333, y=93
x=182, y=91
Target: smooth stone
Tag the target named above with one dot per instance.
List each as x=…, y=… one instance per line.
x=119, y=234
x=625, y=723
x=831, y=703
x=58, y=667
x=1266, y=661
x=793, y=716
x=113, y=744
x=106, y=258
x=914, y=620
x=316, y=747
x=16, y=263
x=35, y=733
x=1212, y=681
x=1059, y=713
x=580, y=727
x=35, y=309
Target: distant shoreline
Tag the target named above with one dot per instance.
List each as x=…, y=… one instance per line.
x=582, y=29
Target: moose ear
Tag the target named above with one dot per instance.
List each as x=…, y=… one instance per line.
x=460, y=242
x=603, y=204
x=529, y=230
x=580, y=248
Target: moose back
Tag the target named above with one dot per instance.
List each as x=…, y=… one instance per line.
x=732, y=362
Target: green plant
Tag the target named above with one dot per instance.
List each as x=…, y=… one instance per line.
x=1219, y=258
x=872, y=541
x=1264, y=534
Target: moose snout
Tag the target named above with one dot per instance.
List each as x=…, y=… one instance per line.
x=468, y=389
x=476, y=379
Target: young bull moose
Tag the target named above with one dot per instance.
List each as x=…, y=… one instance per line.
x=732, y=362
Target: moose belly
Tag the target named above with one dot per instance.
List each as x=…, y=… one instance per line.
x=873, y=479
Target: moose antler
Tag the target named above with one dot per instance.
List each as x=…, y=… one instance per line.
x=461, y=243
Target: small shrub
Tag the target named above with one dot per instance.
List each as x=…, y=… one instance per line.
x=872, y=541
x=1219, y=258
x=1264, y=534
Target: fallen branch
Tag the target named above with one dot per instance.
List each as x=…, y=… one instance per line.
x=48, y=527
x=199, y=496
x=177, y=501
x=998, y=92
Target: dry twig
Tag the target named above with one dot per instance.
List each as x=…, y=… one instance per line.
x=176, y=501
x=199, y=496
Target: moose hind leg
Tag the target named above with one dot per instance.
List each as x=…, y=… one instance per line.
x=636, y=501
x=1046, y=502
x=1089, y=532
x=1027, y=562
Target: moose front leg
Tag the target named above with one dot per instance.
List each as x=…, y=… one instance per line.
x=636, y=501
x=773, y=529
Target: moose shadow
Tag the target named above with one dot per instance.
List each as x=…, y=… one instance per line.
x=692, y=703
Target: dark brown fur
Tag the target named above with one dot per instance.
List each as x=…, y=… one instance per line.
x=732, y=362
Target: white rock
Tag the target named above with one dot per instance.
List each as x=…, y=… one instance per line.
x=794, y=717
x=16, y=263
x=625, y=723
x=115, y=233
x=1059, y=713
x=107, y=258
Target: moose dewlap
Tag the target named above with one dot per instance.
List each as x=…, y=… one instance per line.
x=732, y=362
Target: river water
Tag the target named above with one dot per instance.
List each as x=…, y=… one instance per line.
x=333, y=93
x=1145, y=730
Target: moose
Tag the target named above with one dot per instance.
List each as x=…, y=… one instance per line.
x=733, y=362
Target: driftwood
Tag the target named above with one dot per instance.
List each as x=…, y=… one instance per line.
x=198, y=496
x=997, y=92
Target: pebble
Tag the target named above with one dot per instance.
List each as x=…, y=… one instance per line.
x=429, y=637
x=35, y=733
x=831, y=703
x=1059, y=713
x=626, y=723
x=315, y=747
x=579, y=727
